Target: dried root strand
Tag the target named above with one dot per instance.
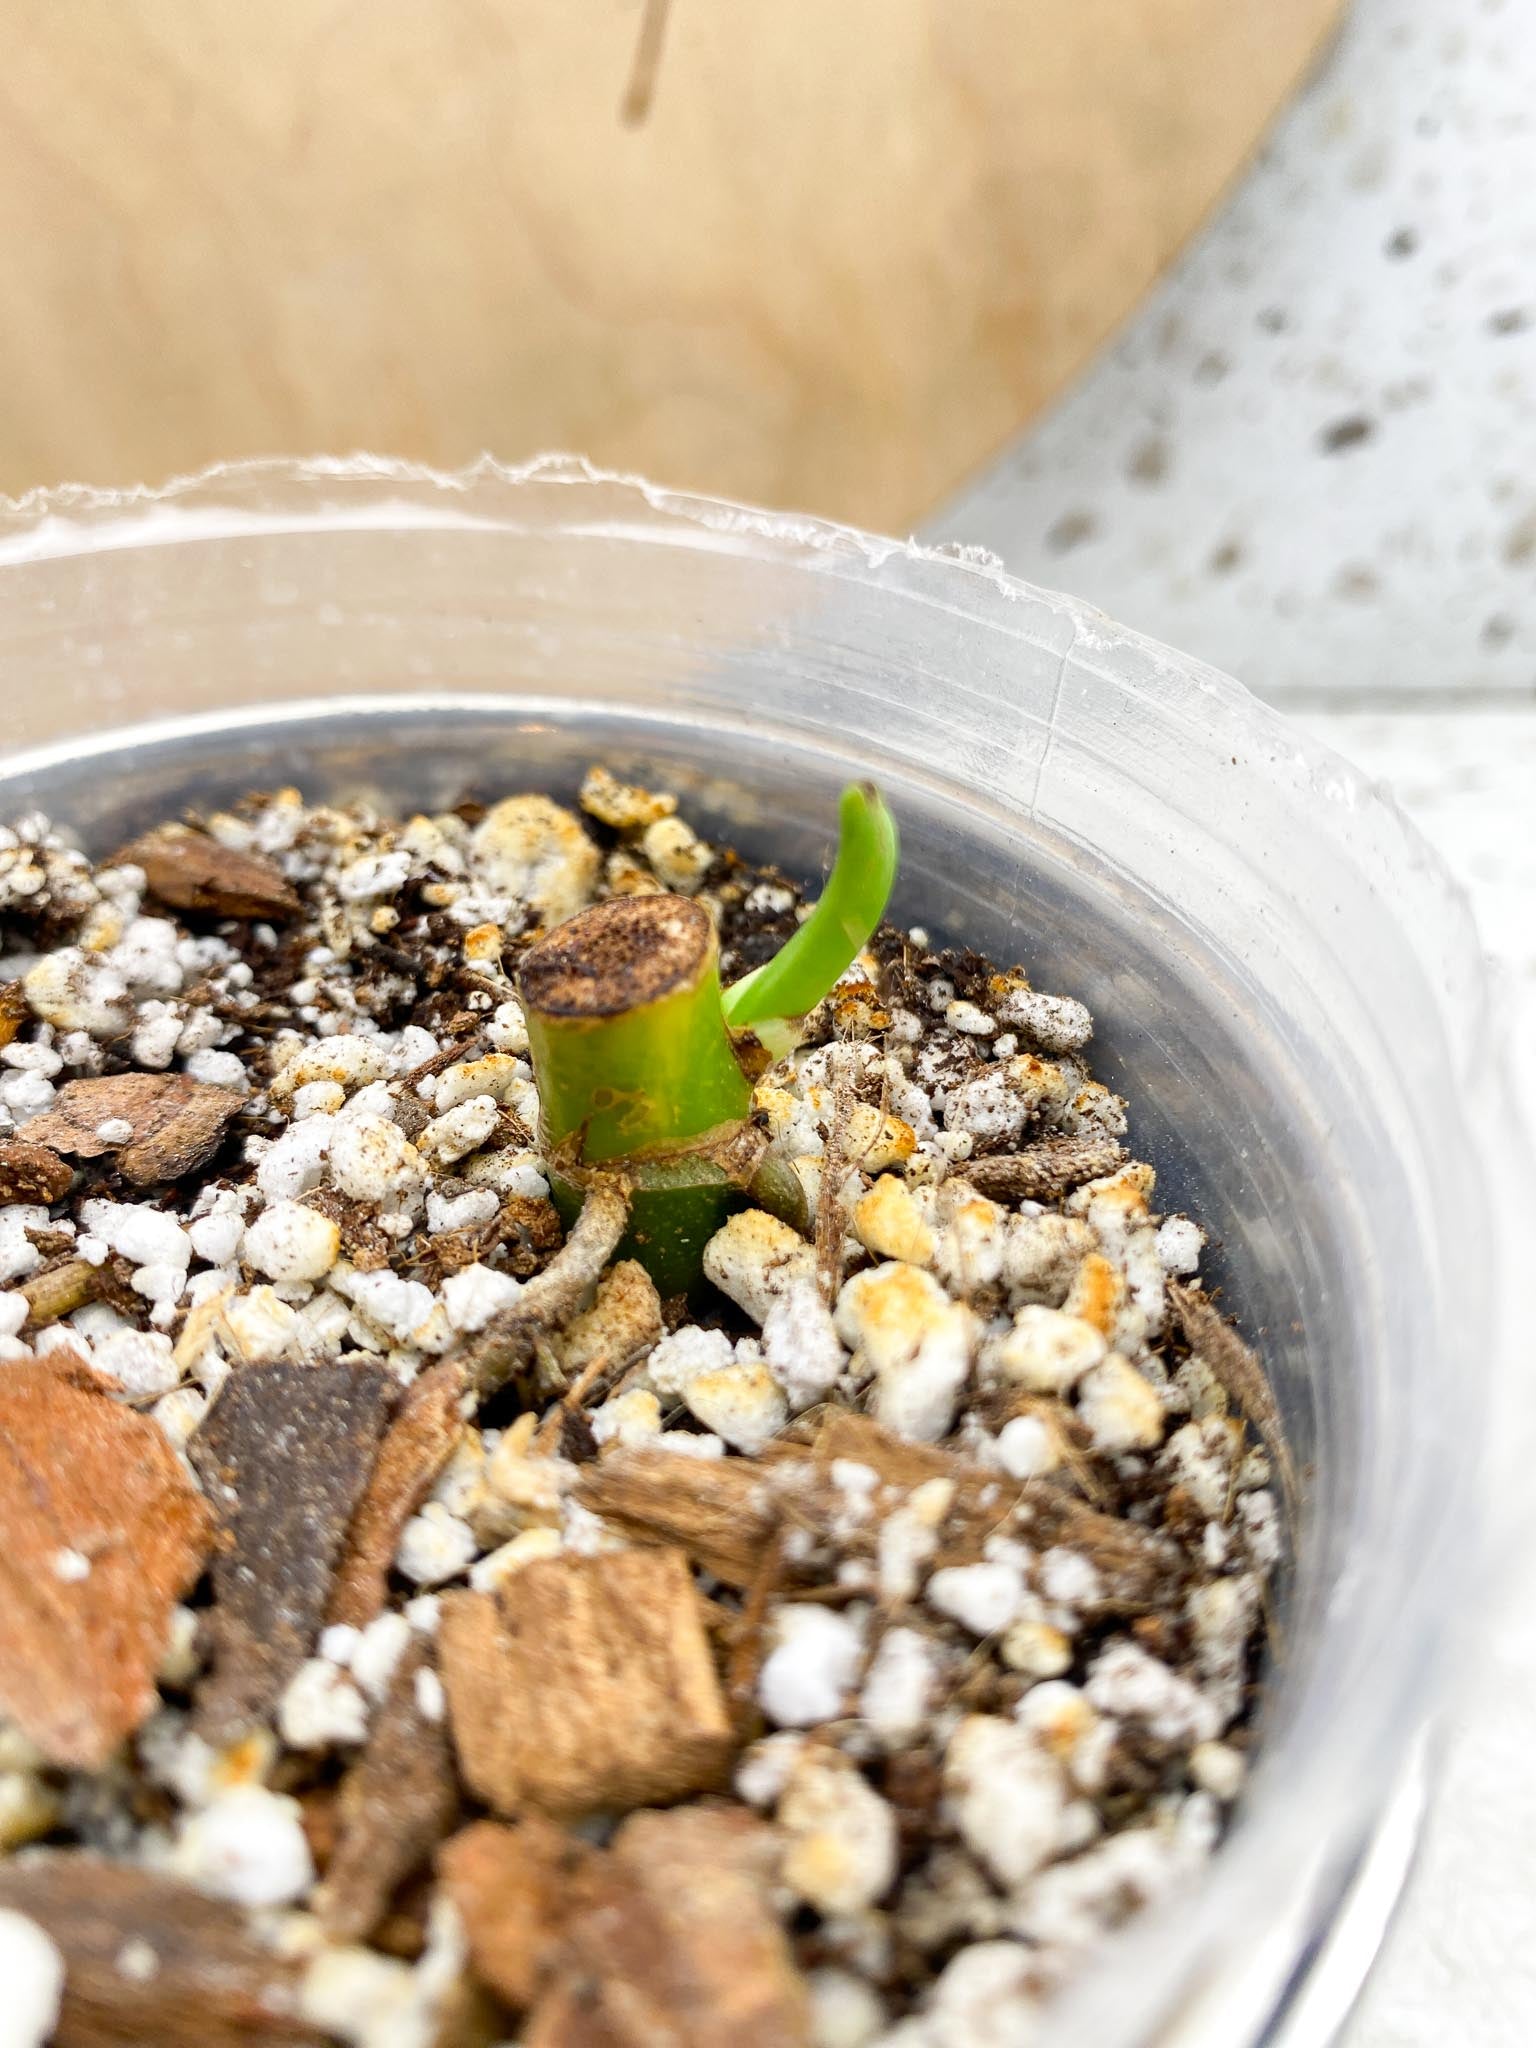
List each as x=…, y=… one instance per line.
x=507, y=1343
x=1045, y=1171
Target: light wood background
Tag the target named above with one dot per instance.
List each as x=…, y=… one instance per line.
x=851, y=248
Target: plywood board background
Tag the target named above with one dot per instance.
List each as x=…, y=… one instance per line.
x=852, y=247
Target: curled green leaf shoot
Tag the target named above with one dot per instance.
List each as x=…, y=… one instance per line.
x=643, y=1064
x=774, y=997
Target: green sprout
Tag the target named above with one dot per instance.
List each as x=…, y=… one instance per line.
x=644, y=1066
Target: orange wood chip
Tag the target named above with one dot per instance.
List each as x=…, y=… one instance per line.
x=674, y=1939
x=514, y=1888
x=176, y=1122
x=192, y=871
x=32, y=1173
x=585, y=1682
x=195, y=1977
x=101, y=1532
x=416, y=1447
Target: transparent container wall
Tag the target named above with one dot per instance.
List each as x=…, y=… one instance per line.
x=1129, y=825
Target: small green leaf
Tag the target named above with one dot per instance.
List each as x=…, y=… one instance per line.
x=852, y=904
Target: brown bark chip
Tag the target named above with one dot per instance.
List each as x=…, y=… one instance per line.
x=191, y=871
x=514, y=1888
x=1241, y=1377
x=204, y=1982
x=32, y=1173
x=675, y=1940
x=585, y=1682
x=101, y=1532
x=416, y=1447
x=285, y=1454
x=177, y=1122
x=14, y=1010
x=397, y=1803
x=723, y=1512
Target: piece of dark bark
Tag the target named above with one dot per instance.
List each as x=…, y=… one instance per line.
x=101, y=1532
x=285, y=1454
x=1044, y=1171
x=176, y=1122
x=399, y=1800
x=32, y=1173
x=152, y=1963
x=416, y=1446
x=192, y=871
x=583, y=1684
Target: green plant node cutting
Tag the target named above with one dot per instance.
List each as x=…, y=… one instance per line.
x=642, y=1060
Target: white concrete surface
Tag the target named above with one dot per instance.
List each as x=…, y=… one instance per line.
x=1311, y=456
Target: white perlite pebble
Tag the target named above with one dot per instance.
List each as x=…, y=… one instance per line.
x=376, y=874
x=476, y=1293
x=684, y=1354
x=528, y=848
x=346, y=1060
x=141, y=1359
x=435, y=1546
x=373, y=1160
x=840, y=1836
x=19, y=1257
x=741, y=1402
x=288, y=1242
x=14, y=1310
x=464, y=1129
x=378, y=1649
x=32, y=1971
x=984, y=1999
x=146, y=1236
x=1045, y=1351
x=493, y=1074
x=801, y=1348
x=1179, y=1245
x=295, y=1162
x=1057, y=1024
x=813, y=1663
x=218, y=1069
x=983, y=1598
x=845, y=2011
x=321, y=1708
x=460, y=1212
x=399, y=1307
x=1129, y=1684
x=915, y=1340
x=1005, y=1795
x=1120, y=1407
x=754, y=1258
x=898, y=1685
x=114, y=1130
x=1027, y=1448
x=248, y=1846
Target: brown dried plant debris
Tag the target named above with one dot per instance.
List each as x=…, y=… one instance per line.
x=585, y=1683
x=103, y=1533
x=59, y=1289
x=15, y=1011
x=1237, y=1370
x=285, y=1454
x=397, y=1802
x=674, y=1939
x=195, y=1977
x=176, y=1123
x=416, y=1446
x=190, y=870
x=1046, y=1170
x=32, y=1173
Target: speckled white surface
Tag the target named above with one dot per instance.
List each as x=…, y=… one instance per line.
x=1311, y=457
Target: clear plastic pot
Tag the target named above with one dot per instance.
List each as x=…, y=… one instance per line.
x=1287, y=985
